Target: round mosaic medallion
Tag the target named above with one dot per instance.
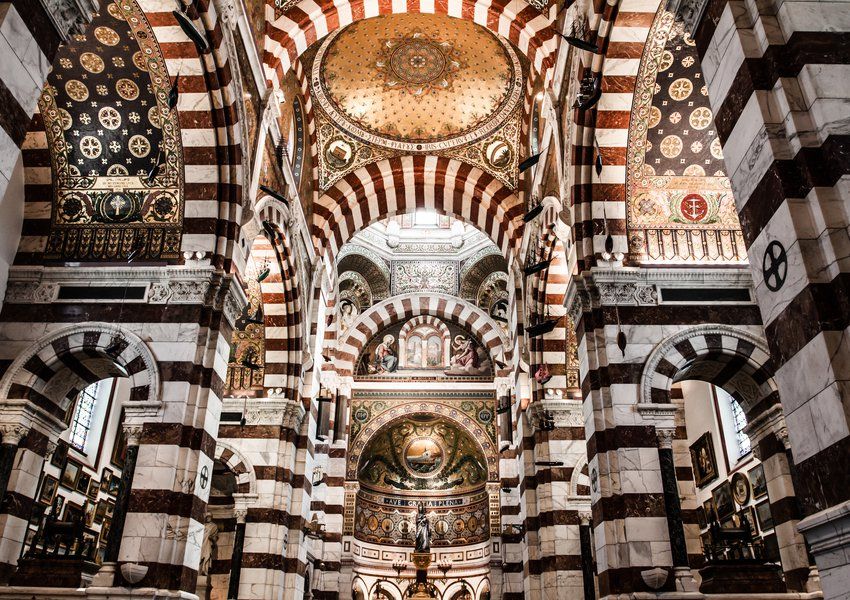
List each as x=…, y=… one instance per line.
x=114, y=11
x=77, y=90
x=139, y=146
x=700, y=118
x=140, y=61
x=106, y=36
x=65, y=117
x=423, y=456
x=671, y=146
x=90, y=147
x=109, y=117
x=91, y=62
x=432, y=83
x=418, y=60
x=716, y=148
x=694, y=207
x=127, y=89
x=681, y=89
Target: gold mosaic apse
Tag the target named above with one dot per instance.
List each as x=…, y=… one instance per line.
x=417, y=82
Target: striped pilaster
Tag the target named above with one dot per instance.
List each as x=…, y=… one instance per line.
x=20, y=497
x=268, y=446
x=775, y=74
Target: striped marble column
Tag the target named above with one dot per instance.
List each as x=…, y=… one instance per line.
x=18, y=502
x=777, y=75
x=559, y=439
x=268, y=440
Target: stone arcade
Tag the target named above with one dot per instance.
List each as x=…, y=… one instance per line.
x=462, y=300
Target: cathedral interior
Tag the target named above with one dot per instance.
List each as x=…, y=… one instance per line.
x=417, y=299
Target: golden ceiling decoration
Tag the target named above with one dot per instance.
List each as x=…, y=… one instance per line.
x=417, y=84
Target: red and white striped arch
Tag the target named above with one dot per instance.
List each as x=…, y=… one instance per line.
x=406, y=306
x=290, y=34
x=283, y=321
x=621, y=35
x=402, y=184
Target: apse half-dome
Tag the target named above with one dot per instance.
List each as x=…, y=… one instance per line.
x=422, y=458
x=422, y=453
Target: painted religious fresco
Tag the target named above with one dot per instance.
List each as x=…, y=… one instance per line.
x=422, y=452
x=114, y=143
x=424, y=348
x=681, y=207
x=373, y=101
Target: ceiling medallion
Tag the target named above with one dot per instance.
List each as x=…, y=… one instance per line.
x=418, y=64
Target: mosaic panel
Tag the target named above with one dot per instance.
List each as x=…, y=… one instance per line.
x=424, y=276
x=474, y=412
x=108, y=123
x=387, y=520
x=680, y=200
x=456, y=354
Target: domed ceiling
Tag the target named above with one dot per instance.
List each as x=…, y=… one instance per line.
x=416, y=83
x=410, y=80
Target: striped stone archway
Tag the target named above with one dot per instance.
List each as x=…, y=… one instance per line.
x=54, y=369
x=405, y=306
x=403, y=184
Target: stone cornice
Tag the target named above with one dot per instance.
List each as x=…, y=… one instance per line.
x=267, y=411
x=197, y=282
x=635, y=286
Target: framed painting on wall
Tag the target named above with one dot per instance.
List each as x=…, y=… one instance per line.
x=765, y=518
x=49, y=485
x=757, y=480
x=71, y=474
x=83, y=482
x=702, y=460
x=723, y=503
x=708, y=508
x=57, y=459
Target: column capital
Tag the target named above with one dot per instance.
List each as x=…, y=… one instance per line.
x=13, y=433
x=665, y=436
x=503, y=386
x=556, y=411
x=133, y=433
x=585, y=517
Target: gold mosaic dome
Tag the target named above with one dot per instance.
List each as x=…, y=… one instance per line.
x=429, y=83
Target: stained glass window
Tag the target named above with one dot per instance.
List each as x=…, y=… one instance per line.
x=83, y=413
x=740, y=422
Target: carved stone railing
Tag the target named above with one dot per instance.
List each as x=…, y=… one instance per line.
x=70, y=17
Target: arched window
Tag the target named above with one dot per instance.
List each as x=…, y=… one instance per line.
x=89, y=411
x=733, y=421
